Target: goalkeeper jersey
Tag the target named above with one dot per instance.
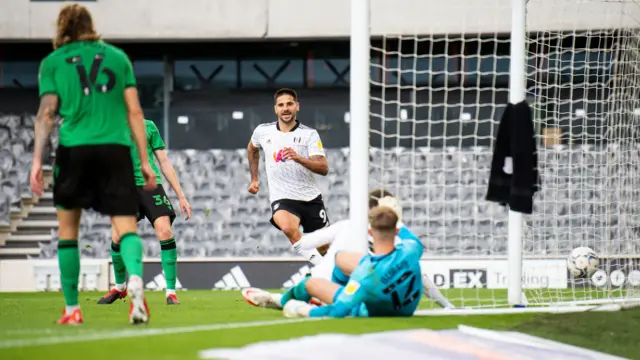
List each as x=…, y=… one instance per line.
x=381, y=285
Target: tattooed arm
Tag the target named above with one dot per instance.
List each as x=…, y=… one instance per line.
x=317, y=164
x=45, y=121
x=253, y=155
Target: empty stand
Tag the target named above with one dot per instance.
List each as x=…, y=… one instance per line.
x=24, y=228
x=443, y=203
x=443, y=200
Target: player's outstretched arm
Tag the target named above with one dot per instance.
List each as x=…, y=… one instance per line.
x=429, y=289
x=136, y=124
x=43, y=126
x=316, y=161
x=317, y=164
x=45, y=121
x=169, y=173
x=253, y=155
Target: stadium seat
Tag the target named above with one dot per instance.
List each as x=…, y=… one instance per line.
x=442, y=190
x=445, y=205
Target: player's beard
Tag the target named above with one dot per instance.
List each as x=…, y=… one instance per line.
x=288, y=118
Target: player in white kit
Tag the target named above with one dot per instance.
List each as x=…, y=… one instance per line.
x=344, y=256
x=293, y=154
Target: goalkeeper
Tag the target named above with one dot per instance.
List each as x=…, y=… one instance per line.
x=387, y=283
x=341, y=253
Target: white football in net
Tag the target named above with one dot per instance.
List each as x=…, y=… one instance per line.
x=582, y=262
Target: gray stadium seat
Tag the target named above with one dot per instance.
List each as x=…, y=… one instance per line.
x=588, y=194
x=5, y=207
x=443, y=202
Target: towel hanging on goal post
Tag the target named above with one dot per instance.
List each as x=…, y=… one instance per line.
x=514, y=177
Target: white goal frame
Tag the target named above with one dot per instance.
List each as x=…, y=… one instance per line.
x=360, y=45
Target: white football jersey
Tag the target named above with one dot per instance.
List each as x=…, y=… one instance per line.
x=287, y=179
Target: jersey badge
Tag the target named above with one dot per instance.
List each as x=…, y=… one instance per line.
x=351, y=287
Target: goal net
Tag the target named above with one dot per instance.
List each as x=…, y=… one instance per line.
x=436, y=99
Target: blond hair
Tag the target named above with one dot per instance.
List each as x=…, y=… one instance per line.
x=383, y=219
x=74, y=24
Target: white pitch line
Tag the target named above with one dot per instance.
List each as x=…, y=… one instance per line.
x=55, y=340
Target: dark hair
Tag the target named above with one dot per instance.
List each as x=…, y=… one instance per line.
x=285, y=91
x=375, y=195
x=383, y=219
x=74, y=24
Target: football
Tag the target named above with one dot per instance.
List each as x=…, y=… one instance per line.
x=582, y=262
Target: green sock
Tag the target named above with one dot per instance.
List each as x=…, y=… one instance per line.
x=131, y=252
x=298, y=292
x=119, y=270
x=169, y=257
x=69, y=263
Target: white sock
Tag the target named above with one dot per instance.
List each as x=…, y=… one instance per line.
x=433, y=293
x=169, y=292
x=72, y=308
x=313, y=256
x=121, y=287
x=135, y=283
x=275, y=298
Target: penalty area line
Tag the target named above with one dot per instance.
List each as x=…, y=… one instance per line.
x=122, y=334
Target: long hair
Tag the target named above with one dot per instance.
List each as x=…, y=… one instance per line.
x=74, y=24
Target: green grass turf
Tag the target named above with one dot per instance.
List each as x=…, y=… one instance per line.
x=30, y=317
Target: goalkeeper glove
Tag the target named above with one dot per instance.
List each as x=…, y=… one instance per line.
x=393, y=203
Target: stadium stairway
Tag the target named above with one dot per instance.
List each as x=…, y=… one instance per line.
x=30, y=225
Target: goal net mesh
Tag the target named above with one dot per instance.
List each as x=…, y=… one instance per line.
x=435, y=103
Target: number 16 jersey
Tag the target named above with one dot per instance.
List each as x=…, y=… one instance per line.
x=89, y=78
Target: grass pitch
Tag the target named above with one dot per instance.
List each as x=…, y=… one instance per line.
x=208, y=319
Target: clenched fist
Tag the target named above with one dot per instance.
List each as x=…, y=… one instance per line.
x=254, y=187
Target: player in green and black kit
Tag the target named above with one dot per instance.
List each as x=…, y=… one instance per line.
x=92, y=86
x=156, y=207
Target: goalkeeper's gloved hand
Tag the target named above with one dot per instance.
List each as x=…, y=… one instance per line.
x=296, y=308
x=393, y=203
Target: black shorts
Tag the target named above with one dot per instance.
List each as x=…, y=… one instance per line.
x=312, y=214
x=98, y=177
x=154, y=204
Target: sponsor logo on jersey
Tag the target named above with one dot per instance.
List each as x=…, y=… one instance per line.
x=278, y=157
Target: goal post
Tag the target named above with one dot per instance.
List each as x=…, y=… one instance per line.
x=360, y=49
x=424, y=111
x=517, y=91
